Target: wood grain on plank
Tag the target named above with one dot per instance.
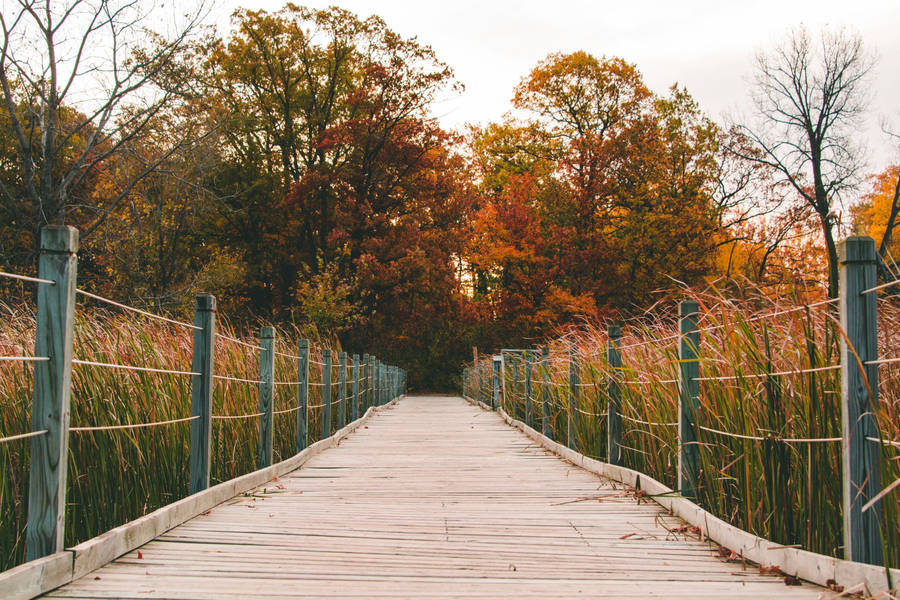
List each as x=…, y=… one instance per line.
x=433, y=498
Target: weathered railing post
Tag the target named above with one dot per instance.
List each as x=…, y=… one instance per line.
x=379, y=391
x=545, y=391
x=614, y=396
x=202, y=363
x=573, y=397
x=689, y=400
x=859, y=391
x=514, y=361
x=326, y=393
x=342, y=390
x=355, y=413
x=495, y=387
x=52, y=392
x=266, y=395
x=366, y=397
x=302, y=394
x=529, y=412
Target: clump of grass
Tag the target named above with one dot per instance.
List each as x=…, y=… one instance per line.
x=116, y=476
x=786, y=491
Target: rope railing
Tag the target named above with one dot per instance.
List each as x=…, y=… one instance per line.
x=374, y=383
x=26, y=278
x=136, y=310
x=131, y=425
x=710, y=372
x=91, y=363
x=22, y=436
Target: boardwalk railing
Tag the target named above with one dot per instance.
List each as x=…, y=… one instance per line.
x=573, y=393
x=346, y=387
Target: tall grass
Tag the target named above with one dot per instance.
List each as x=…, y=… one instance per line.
x=116, y=476
x=786, y=491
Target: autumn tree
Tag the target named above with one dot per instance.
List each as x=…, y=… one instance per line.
x=596, y=197
x=809, y=96
x=79, y=80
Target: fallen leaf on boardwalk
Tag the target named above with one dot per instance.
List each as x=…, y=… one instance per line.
x=627, y=535
x=140, y=555
x=206, y=513
x=770, y=570
x=366, y=426
x=832, y=585
x=791, y=580
x=96, y=578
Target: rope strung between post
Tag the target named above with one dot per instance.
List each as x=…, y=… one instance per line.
x=228, y=417
x=26, y=278
x=291, y=356
x=885, y=442
x=237, y=379
x=25, y=358
x=137, y=310
x=239, y=342
x=882, y=361
x=287, y=410
x=131, y=426
x=880, y=287
x=773, y=374
x=22, y=436
x=91, y=363
x=287, y=382
x=589, y=414
x=650, y=423
x=654, y=382
x=772, y=437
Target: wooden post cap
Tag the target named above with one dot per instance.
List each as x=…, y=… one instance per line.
x=205, y=302
x=858, y=248
x=59, y=238
x=267, y=332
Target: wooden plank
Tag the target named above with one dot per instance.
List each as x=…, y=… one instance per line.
x=100, y=550
x=455, y=504
x=203, y=362
x=52, y=392
x=36, y=577
x=802, y=564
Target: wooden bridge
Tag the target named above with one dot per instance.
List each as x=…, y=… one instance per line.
x=423, y=497
x=419, y=497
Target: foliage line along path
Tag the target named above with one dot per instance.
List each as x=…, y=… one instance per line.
x=433, y=498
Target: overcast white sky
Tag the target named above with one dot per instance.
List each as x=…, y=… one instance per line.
x=705, y=45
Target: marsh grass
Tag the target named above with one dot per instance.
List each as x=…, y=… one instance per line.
x=786, y=491
x=117, y=476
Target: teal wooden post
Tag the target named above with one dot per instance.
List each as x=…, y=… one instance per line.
x=266, y=395
x=529, y=410
x=52, y=392
x=545, y=391
x=342, y=390
x=514, y=360
x=377, y=382
x=614, y=396
x=355, y=414
x=689, y=400
x=495, y=388
x=366, y=396
x=574, y=390
x=302, y=394
x=859, y=392
x=203, y=363
x=326, y=393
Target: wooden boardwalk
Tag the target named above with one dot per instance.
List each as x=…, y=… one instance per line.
x=433, y=498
